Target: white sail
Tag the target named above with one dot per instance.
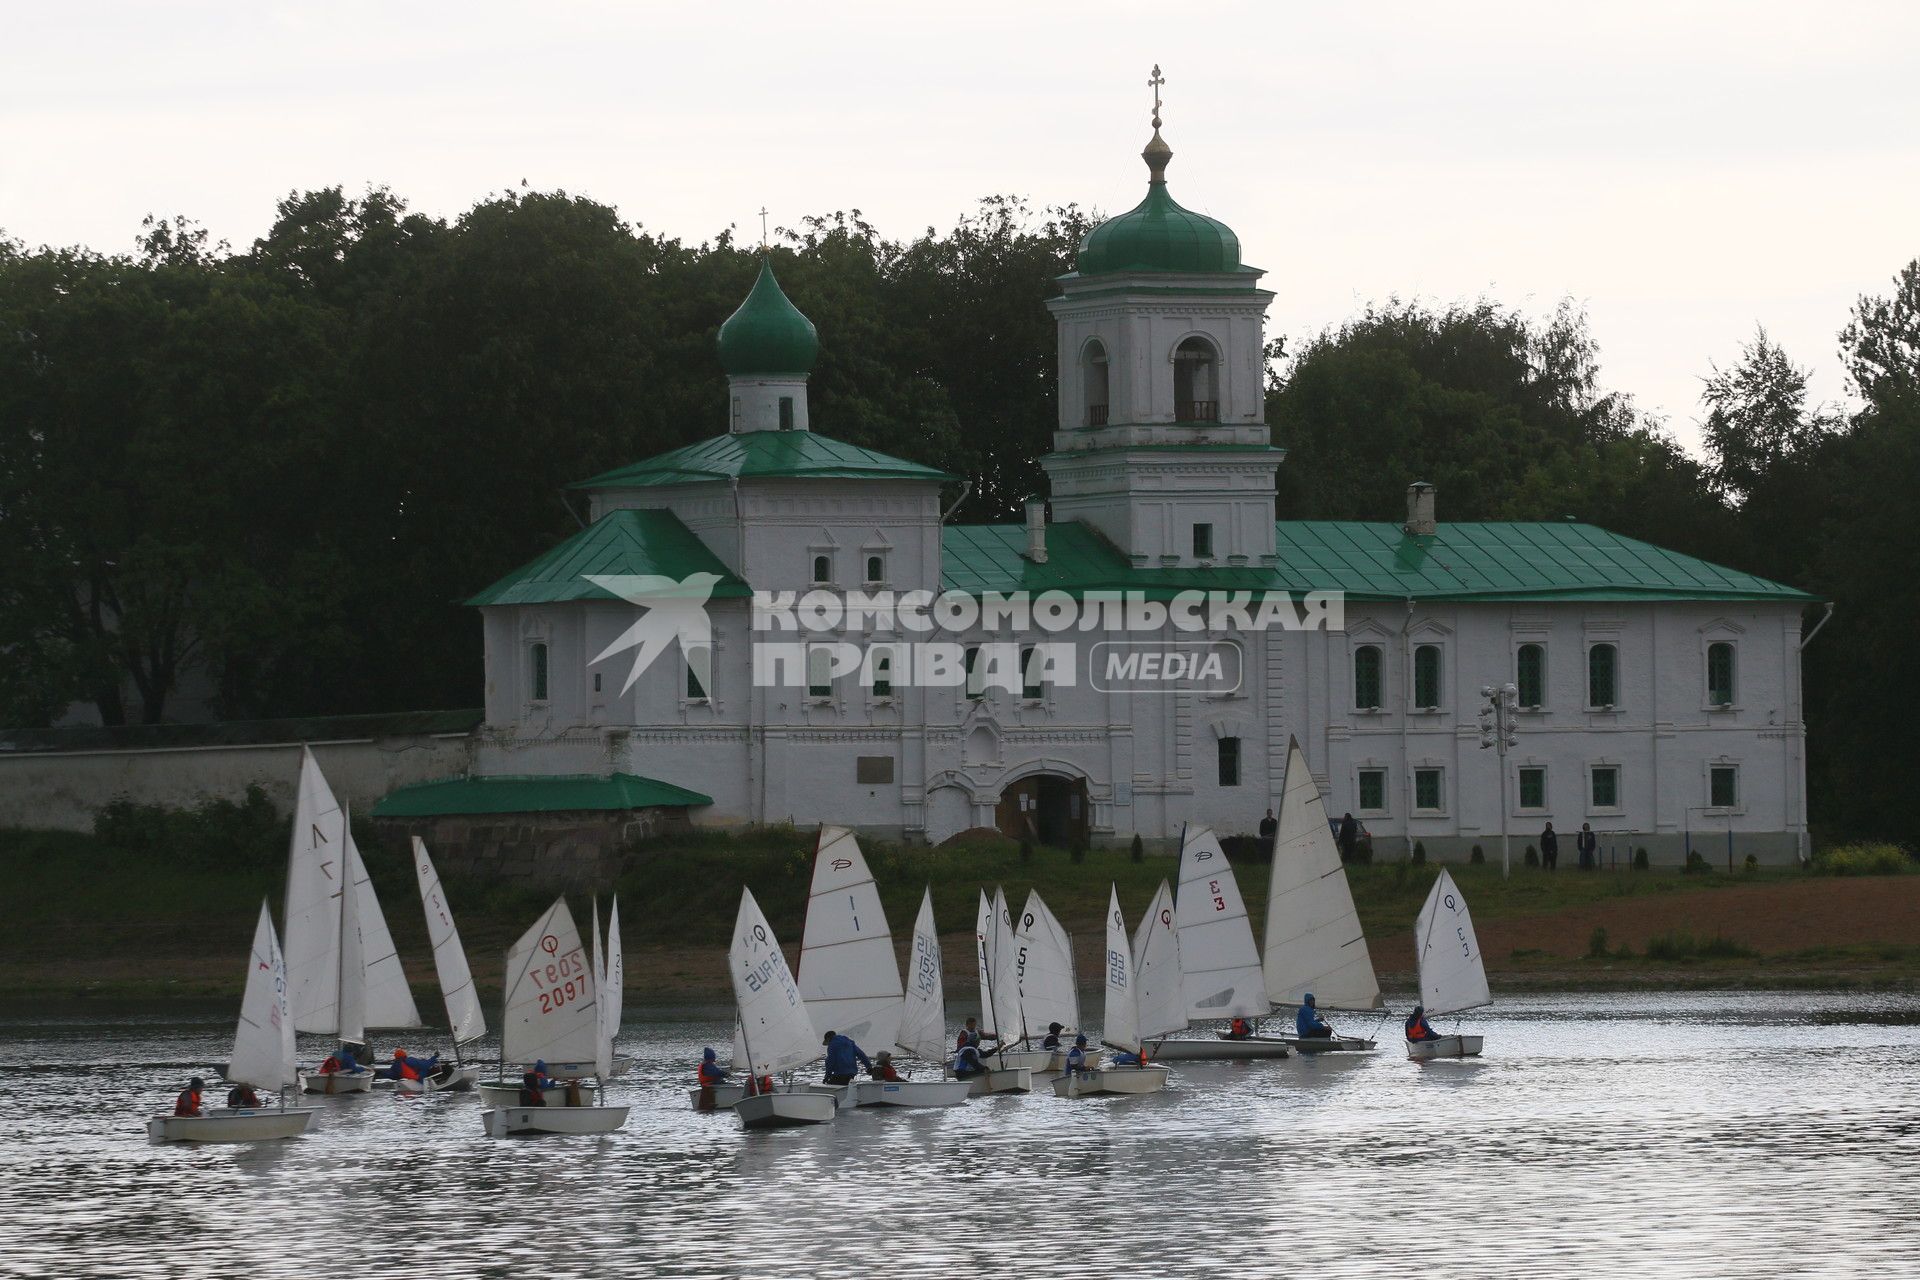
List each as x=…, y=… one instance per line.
x=614, y=989
x=263, y=1040
x=1217, y=955
x=774, y=1023
x=1043, y=957
x=848, y=974
x=983, y=940
x=1314, y=940
x=1010, y=1015
x=551, y=1008
x=464, y=1017
x=1121, y=1028
x=389, y=1000
x=923, y=1015
x=603, y=1034
x=1158, y=960
x=1452, y=977
x=351, y=957
x=316, y=861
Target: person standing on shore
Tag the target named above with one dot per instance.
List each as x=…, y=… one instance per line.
x=1347, y=837
x=1269, y=828
x=1549, y=848
x=1589, y=846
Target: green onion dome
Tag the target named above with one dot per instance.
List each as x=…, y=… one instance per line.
x=767, y=334
x=1157, y=234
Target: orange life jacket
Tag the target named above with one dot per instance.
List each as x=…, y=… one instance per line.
x=187, y=1104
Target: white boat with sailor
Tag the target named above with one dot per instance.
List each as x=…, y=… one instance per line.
x=1134, y=1013
x=775, y=1032
x=1453, y=977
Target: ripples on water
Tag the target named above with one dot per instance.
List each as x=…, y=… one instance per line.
x=1690, y=1135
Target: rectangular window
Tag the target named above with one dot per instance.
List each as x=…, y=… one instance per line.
x=1426, y=677
x=1366, y=677
x=819, y=672
x=1373, y=790
x=1720, y=675
x=1533, y=788
x=786, y=413
x=696, y=663
x=1203, y=542
x=1030, y=687
x=1606, y=787
x=873, y=769
x=1723, y=786
x=596, y=682
x=537, y=673
x=1426, y=790
x=976, y=678
x=1229, y=762
x=1602, y=676
x=1530, y=672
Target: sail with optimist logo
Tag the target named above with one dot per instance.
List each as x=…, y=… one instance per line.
x=1220, y=964
x=1043, y=956
x=848, y=974
x=1453, y=978
x=923, y=1017
x=776, y=1031
x=1160, y=998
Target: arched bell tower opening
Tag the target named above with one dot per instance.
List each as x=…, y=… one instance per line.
x=1196, y=381
x=1094, y=382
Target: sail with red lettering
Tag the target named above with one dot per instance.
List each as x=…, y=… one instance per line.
x=1219, y=964
x=552, y=1010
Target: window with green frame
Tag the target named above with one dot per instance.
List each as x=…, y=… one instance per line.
x=537, y=672
x=1426, y=677
x=1530, y=674
x=1366, y=677
x=1603, y=676
x=1723, y=786
x=1426, y=790
x=1533, y=788
x=1720, y=674
x=1604, y=782
x=1373, y=790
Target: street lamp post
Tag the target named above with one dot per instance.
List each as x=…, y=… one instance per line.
x=1499, y=719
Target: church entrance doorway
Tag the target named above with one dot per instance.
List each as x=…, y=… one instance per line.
x=1046, y=808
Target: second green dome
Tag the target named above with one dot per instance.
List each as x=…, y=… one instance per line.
x=767, y=334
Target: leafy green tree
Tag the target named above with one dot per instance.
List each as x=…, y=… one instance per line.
x=1758, y=416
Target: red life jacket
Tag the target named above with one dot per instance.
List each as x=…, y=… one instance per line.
x=710, y=1073
x=886, y=1073
x=187, y=1104
x=331, y=1065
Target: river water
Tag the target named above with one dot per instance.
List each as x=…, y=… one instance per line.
x=1700, y=1134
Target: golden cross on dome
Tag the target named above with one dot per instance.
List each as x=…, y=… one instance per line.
x=1154, y=82
x=763, y=228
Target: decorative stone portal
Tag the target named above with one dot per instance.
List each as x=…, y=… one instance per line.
x=1047, y=808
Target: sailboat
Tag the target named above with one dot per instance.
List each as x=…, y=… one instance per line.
x=776, y=1034
x=465, y=1021
x=1038, y=962
x=1009, y=1070
x=1452, y=977
x=1123, y=1027
x=923, y=1012
x=1220, y=965
x=552, y=1009
x=262, y=1057
x=1314, y=941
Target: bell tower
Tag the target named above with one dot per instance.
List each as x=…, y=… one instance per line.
x=1162, y=442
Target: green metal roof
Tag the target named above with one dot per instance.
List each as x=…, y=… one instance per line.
x=620, y=542
x=525, y=793
x=764, y=454
x=767, y=334
x=1465, y=561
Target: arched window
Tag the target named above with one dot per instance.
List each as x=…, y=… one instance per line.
x=1720, y=674
x=1530, y=671
x=537, y=672
x=1196, y=382
x=822, y=570
x=1426, y=677
x=1093, y=377
x=1366, y=677
x=874, y=568
x=1603, y=678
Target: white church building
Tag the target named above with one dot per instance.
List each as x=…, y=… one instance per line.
x=1658, y=695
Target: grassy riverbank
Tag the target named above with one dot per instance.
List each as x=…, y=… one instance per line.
x=127, y=918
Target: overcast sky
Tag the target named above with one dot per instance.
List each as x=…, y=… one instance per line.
x=1683, y=170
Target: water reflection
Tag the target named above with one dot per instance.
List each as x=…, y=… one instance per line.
x=1696, y=1134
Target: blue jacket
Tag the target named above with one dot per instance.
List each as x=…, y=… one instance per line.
x=1308, y=1019
x=841, y=1053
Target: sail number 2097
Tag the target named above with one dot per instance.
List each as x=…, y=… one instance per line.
x=561, y=981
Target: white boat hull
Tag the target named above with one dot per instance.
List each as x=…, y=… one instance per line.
x=459, y=1080
x=495, y=1094
x=1445, y=1047
x=912, y=1093
x=1002, y=1080
x=332, y=1082
x=1331, y=1044
x=724, y=1096
x=621, y=1064
x=505, y=1122
x=1038, y=1061
x=1147, y=1079
x=234, y=1124
x=1220, y=1049
x=784, y=1110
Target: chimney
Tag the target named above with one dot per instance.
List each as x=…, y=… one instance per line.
x=1037, y=530
x=1420, y=520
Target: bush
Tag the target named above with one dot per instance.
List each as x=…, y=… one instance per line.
x=1419, y=854
x=1597, y=944
x=1533, y=856
x=1640, y=862
x=1138, y=850
x=217, y=834
x=1479, y=856
x=1753, y=864
x=1241, y=850
x=1684, y=946
x=1863, y=860
x=1697, y=865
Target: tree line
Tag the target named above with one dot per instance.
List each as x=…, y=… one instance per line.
x=279, y=469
